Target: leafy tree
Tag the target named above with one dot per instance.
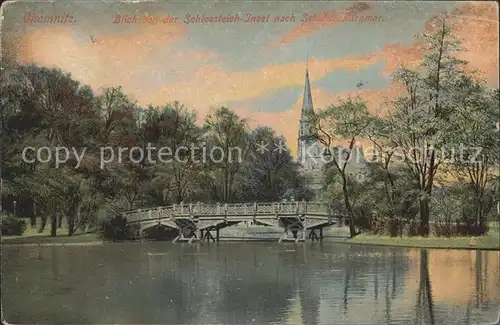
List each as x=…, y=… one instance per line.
x=15, y=125
x=47, y=107
x=378, y=132
x=421, y=121
x=227, y=142
x=477, y=143
x=55, y=111
x=269, y=174
x=173, y=125
x=347, y=121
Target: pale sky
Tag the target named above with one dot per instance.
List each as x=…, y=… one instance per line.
x=257, y=69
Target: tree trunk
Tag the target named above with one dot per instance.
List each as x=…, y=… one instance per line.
x=352, y=228
x=226, y=181
x=43, y=224
x=424, y=204
x=71, y=225
x=389, y=199
x=33, y=216
x=389, y=189
x=481, y=222
x=59, y=221
x=53, y=226
x=424, y=217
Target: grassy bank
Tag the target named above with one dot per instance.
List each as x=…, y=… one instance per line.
x=489, y=242
x=31, y=236
x=46, y=239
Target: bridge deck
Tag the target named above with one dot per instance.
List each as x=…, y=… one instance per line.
x=190, y=218
x=233, y=211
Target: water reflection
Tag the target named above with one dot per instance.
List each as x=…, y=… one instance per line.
x=425, y=304
x=248, y=283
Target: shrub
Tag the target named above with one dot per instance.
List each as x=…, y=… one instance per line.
x=12, y=226
x=394, y=227
x=413, y=228
x=464, y=226
x=116, y=229
x=134, y=231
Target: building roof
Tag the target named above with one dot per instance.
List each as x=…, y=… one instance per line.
x=307, y=102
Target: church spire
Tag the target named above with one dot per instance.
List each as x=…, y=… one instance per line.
x=307, y=103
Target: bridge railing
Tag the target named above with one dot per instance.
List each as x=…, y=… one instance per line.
x=166, y=212
x=288, y=207
x=209, y=209
x=234, y=209
x=266, y=208
x=238, y=209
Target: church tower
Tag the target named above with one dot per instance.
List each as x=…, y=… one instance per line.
x=308, y=148
x=305, y=140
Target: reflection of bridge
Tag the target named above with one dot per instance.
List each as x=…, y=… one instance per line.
x=201, y=219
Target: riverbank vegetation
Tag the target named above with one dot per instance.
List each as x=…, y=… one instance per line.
x=491, y=241
x=434, y=170
x=434, y=164
x=32, y=235
x=47, y=108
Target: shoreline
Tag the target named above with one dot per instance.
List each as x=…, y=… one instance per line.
x=489, y=242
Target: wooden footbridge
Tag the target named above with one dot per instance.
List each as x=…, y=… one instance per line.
x=197, y=221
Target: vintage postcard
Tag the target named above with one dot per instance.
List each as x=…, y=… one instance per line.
x=250, y=162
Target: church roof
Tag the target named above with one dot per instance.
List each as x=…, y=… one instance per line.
x=307, y=103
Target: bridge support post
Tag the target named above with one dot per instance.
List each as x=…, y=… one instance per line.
x=254, y=219
x=284, y=236
x=207, y=236
x=187, y=230
x=293, y=225
x=321, y=234
x=313, y=236
x=217, y=234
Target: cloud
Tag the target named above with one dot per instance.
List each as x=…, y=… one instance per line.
x=144, y=62
x=307, y=28
x=213, y=86
x=474, y=23
x=113, y=59
x=273, y=101
x=286, y=123
x=477, y=25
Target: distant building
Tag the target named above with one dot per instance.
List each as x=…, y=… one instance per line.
x=312, y=154
x=308, y=149
x=309, y=153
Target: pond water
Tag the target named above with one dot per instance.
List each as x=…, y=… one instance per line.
x=248, y=282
